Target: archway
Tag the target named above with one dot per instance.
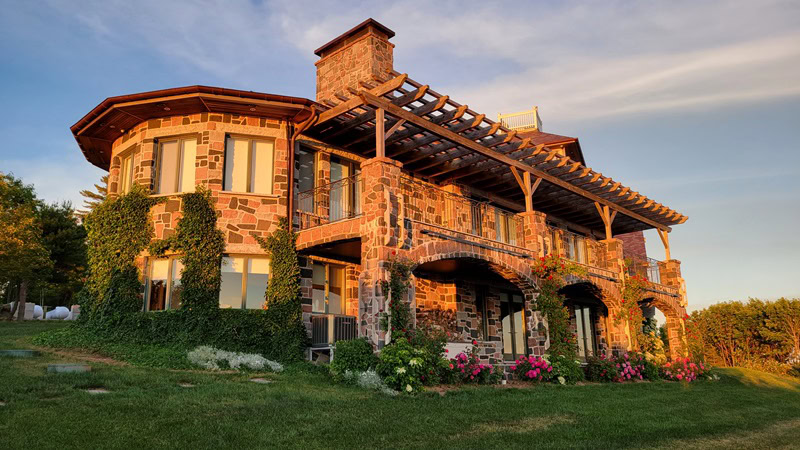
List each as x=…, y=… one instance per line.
x=663, y=327
x=589, y=317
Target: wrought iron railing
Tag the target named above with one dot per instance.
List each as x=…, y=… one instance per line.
x=644, y=267
x=327, y=329
x=433, y=205
x=330, y=203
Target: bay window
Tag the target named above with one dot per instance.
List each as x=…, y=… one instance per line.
x=249, y=165
x=176, y=165
x=244, y=282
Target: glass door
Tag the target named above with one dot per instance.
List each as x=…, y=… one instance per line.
x=328, y=292
x=584, y=321
x=512, y=317
x=345, y=197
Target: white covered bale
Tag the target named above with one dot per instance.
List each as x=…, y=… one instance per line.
x=59, y=313
x=37, y=312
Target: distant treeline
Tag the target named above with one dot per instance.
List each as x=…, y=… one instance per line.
x=759, y=334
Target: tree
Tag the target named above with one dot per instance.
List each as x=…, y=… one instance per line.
x=23, y=255
x=284, y=281
x=65, y=239
x=783, y=325
x=92, y=199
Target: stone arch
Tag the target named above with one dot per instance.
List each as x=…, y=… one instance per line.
x=674, y=314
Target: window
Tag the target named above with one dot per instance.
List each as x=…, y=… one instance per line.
x=328, y=294
x=512, y=317
x=476, y=218
x=480, y=306
x=575, y=247
x=126, y=174
x=163, y=284
x=244, y=282
x=305, y=171
x=345, y=195
x=584, y=321
x=176, y=164
x=249, y=165
x=505, y=226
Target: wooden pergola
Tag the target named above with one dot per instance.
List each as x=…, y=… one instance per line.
x=442, y=141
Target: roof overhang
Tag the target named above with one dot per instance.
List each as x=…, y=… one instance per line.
x=98, y=129
x=445, y=142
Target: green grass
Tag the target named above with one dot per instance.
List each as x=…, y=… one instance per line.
x=148, y=409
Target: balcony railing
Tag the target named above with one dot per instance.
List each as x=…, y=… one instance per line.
x=435, y=206
x=644, y=267
x=327, y=329
x=330, y=203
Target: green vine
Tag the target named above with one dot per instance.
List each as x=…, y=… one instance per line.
x=630, y=313
x=118, y=229
x=551, y=272
x=399, y=318
x=202, y=245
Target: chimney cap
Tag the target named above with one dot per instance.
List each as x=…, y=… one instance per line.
x=349, y=33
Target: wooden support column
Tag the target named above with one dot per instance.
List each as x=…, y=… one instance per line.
x=664, y=235
x=607, y=216
x=380, y=133
x=527, y=187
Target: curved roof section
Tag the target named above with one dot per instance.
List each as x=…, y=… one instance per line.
x=97, y=130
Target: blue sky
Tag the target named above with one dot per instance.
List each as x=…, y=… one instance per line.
x=695, y=104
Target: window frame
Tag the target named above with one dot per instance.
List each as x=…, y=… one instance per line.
x=159, y=142
x=326, y=291
x=514, y=351
x=148, y=280
x=125, y=183
x=593, y=316
x=251, y=140
x=245, y=272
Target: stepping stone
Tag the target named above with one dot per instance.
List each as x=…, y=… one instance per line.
x=20, y=353
x=95, y=391
x=260, y=380
x=186, y=385
x=2, y=403
x=68, y=368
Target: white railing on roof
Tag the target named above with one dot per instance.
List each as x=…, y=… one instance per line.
x=521, y=120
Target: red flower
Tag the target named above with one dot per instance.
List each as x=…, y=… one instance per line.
x=474, y=342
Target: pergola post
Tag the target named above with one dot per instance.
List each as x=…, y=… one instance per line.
x=607, y=216
x=380, y=133
x=664, y=235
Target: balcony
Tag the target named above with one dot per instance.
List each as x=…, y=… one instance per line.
x=327, y=329
x=330, y=203
x=644, y=267
x=432, y=205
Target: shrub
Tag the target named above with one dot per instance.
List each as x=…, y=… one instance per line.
x=602, y=368
x=210, y=358
x=684, y=370
x=433, y=342
x=567, y=369
x=467, y=368
x=402, y=366
x=123, y=294
x=354, y=355
x=368, y=380
x=532, y=368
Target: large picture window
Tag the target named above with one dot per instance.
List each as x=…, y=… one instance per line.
x=176, y=165
x=244, y=282
x=163, y=284
x=249, y=165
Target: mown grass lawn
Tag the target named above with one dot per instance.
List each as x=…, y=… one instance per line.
x=147, y=408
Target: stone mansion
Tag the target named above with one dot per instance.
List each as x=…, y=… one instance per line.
x=381, y=166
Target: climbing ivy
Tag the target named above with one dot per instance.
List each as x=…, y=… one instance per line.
x=399, y=318
x=201, y=244
x=630, y=313
x=283, y=297
x=118, y=229
x=551, y=272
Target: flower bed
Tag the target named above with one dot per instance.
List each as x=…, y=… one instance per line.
x=684, y=370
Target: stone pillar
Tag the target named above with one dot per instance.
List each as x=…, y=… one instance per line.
x=534, y=231
x=612, y=259
x=670, y=271
x=379, y=237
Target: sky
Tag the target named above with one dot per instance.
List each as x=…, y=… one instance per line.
x=694, y=104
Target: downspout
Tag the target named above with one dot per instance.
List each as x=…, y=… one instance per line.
x=291, y=134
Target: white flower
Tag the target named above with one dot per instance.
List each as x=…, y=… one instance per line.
x=409, y=388
x=414, y=362
x=400, y=370
x=210, y=357
x=562, y=380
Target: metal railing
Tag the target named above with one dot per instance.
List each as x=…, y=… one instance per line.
x=330, y=202
x=327, y=329
x=644, y=267
x=432, y=205
x=573, y=246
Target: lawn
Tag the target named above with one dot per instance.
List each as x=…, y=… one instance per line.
x=147, y=408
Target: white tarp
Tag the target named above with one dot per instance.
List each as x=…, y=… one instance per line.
x=59, y=313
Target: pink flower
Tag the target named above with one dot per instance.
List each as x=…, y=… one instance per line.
x=549, y=369
x=451, y=366
x=513, y=367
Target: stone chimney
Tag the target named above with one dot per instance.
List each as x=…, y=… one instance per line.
x=355, y=56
